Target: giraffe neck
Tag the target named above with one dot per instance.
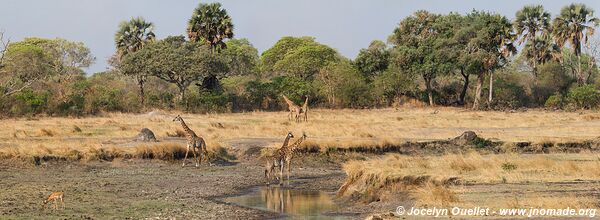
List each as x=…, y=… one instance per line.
x=285, y=143
x=305, y=103
x=187, y=130
x=289, y=102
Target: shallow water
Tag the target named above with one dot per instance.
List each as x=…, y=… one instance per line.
x=296, y=204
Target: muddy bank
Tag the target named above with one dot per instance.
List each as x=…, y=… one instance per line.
x=154, y=189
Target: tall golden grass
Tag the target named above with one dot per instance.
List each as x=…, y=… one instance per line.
x=431, y=178
x=326, y=128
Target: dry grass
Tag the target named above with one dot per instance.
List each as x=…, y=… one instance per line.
x=430, y=179
x=326, y=128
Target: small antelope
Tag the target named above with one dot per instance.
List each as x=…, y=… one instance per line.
x=55, y=196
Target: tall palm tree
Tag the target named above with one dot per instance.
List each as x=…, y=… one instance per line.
x=530, y=22
x=210, y=24
x=132, y=36
x=574, y=25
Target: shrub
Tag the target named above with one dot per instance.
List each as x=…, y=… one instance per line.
x=509, y=93
x=555, y=101
x=30, y=102
x=586, y=97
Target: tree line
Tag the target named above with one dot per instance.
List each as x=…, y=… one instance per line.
x=453, y=59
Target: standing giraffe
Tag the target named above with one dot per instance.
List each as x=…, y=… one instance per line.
x=293, y=108
x=290, y=153
x=193, y=141
x=277, y=160
x=305, y=109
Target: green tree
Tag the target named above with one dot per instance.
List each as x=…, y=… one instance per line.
x=574, y=25
x=210, y=24
x=176, y=61
x=25, y=64
x=373, y=60
x=306, y=61
x=284, y=45
x=132, y=36
x=343, y=84
x=532, y=25
x=418, y=50
x=489, y=43
x=241, y=57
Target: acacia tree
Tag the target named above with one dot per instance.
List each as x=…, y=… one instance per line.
x=132, y=36
x=175, y=60
x=532, y=25
x=36, y=60
x=574, y=25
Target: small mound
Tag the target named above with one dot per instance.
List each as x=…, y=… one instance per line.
x=465, y=138
x=146, y=135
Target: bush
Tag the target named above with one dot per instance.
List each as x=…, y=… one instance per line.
x=508, y=93
x=585, y=97
x=555, y=101
x=208, y=101
x=30, y=102
x=552, y=79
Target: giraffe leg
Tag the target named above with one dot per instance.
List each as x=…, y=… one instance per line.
x=186, y=154
x=288, y=172
x=195, y=156
x=281, y=167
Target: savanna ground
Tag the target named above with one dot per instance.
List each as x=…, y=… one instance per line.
x=106, y=173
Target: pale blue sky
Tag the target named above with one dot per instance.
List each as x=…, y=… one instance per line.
x=346, y=26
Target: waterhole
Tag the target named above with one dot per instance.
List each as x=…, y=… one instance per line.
x=296, y=204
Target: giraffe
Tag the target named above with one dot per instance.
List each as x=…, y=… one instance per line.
x=277, y=160
x=305, y=109
x=293, y=108
x=193, y=141
x=290, y=153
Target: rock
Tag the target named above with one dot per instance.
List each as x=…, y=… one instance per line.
x=465, y=138
x=146, y=135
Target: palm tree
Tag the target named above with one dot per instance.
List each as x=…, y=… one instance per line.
x=574, y=25
x=530, y=22
x=132, y=36
x=210, y=24
x=541, y=50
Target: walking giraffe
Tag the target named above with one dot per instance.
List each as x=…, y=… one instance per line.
x=277, y=160
x=293, y=108
x=193, y=141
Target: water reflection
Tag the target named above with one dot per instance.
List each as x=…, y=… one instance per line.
x=296, y=203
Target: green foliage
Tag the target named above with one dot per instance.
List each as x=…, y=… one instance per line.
x=278, y=51
x=343, y=85
x=393, y=84
x=207, y=101
x=479, y=142
x=31, y=103
x=509, y=93
x=241, y=57
x=555, y=101
x=552, y=79
x=210, y=24
x=373, y=60
x=267, y=95
x=306, y=61
x=586, y=97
